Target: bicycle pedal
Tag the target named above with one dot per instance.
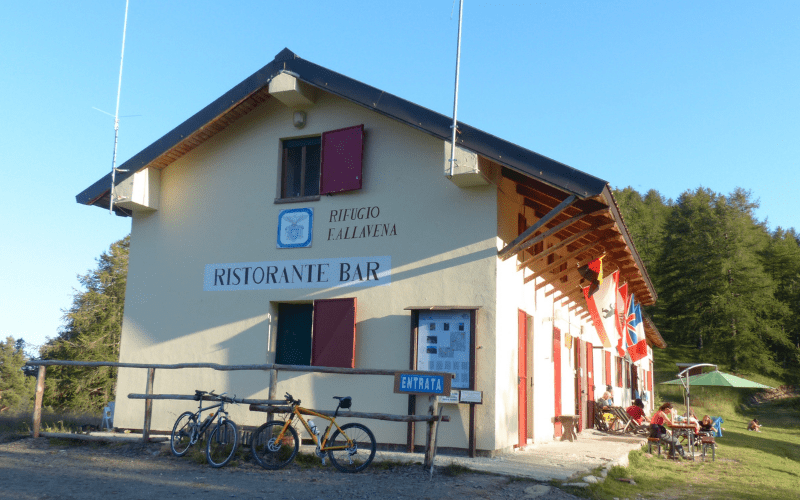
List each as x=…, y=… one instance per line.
x=323, y=460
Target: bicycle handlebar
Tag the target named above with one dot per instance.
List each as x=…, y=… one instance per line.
x=291, y=400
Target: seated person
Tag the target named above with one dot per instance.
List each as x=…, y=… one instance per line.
x=657, y=429
x=605, y=401
x=754, y=425
x=707, y=426
x=636, y=411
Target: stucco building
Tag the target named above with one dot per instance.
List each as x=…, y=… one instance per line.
x=306, y=218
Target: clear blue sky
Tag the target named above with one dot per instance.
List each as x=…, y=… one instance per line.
x=670, y=96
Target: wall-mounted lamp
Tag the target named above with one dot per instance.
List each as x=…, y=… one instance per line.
x=299, y=119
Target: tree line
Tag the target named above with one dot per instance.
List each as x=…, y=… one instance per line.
x=91, y=331
x=726, y=283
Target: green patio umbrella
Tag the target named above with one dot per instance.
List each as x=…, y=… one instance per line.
x=719, y=379
x=715, y=378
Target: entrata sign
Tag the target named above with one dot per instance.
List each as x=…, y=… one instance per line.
x=431, y=383
x=311, y=273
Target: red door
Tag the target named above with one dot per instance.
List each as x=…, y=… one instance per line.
x=522, y=372
x=557, y=378
x=589, y=386
x=580, y=384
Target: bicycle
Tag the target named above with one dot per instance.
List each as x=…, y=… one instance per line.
x=223, y=440
x=351, y=447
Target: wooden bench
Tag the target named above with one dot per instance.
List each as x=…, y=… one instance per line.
x=650, y=442
x=708, y=442
x=568, y=422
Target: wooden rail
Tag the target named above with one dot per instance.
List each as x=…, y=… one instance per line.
x=274, y=404
x=355, y=414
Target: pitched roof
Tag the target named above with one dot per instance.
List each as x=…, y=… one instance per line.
x=253, y=90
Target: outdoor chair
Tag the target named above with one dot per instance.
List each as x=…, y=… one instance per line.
x=717, y=426
x=707, y=443
x=599, y=421
x=108, y=417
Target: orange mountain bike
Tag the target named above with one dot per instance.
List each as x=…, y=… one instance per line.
x=351, y=447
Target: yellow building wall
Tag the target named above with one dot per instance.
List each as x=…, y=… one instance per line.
x=216, y=206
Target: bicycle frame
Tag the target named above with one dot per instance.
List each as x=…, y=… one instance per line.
x=299, y=411
x=203, y=426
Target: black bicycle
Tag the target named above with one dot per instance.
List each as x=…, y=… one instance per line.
x=222, y=441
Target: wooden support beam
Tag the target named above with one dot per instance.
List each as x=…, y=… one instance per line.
x=550, y=232
x=511, y=248
x=561, y=244
x=558, y=263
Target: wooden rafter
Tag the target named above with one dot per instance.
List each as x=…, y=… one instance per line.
x=561, y=261
x=511, y=248
x=561, y=244
x=552, y=231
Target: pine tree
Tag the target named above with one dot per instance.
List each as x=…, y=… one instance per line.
x=92, y=331
x=16, y=389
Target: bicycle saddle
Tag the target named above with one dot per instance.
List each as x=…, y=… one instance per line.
x=344, y=401
x=199, y=394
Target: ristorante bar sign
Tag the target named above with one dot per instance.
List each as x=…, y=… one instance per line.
x=310, y=273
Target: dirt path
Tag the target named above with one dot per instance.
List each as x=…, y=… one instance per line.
x=60, y=469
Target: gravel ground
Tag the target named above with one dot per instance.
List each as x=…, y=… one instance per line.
x=53, y=469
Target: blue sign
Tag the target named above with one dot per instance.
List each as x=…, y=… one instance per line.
x=422, y=384
x=295, y=228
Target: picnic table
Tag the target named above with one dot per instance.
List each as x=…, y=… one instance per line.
x=684, y=429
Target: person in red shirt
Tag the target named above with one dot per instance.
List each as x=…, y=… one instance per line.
x=657, y=429
x=636, y=411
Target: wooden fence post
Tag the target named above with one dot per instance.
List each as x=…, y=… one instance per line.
x=430, y=438
x=148, y=405
x=273, y=384
x=37, y=405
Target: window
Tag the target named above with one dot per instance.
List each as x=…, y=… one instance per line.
x=301, y=165
x=328, y=164
x=318, y=334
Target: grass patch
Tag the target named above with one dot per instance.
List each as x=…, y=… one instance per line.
x=455, y=469
x=748, y=466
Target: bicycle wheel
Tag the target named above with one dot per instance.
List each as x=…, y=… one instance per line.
x=357, y=457
x=271, y=452
x=181, y=438
x=222, y=443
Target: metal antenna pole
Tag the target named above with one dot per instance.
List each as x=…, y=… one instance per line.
x=455, y=99
x=116, y=116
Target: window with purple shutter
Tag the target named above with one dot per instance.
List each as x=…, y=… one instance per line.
x=342, y=154
x=334, y=341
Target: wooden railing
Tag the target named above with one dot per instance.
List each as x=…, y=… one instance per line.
x=271, y=405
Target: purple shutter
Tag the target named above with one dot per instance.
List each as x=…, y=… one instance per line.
x=342, y=154
x=334, y=342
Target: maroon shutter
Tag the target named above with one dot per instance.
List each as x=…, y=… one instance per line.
x=342, y=154
x=334, y=342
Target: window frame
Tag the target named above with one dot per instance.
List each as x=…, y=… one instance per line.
x=292, y=143
x=340, y=169
x=320, y=338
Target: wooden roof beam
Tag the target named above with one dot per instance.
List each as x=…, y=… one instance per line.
x=512, y=248
x=561, y=261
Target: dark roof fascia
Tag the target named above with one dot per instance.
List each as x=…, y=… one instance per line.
x=623, y=229
x=522, y=160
